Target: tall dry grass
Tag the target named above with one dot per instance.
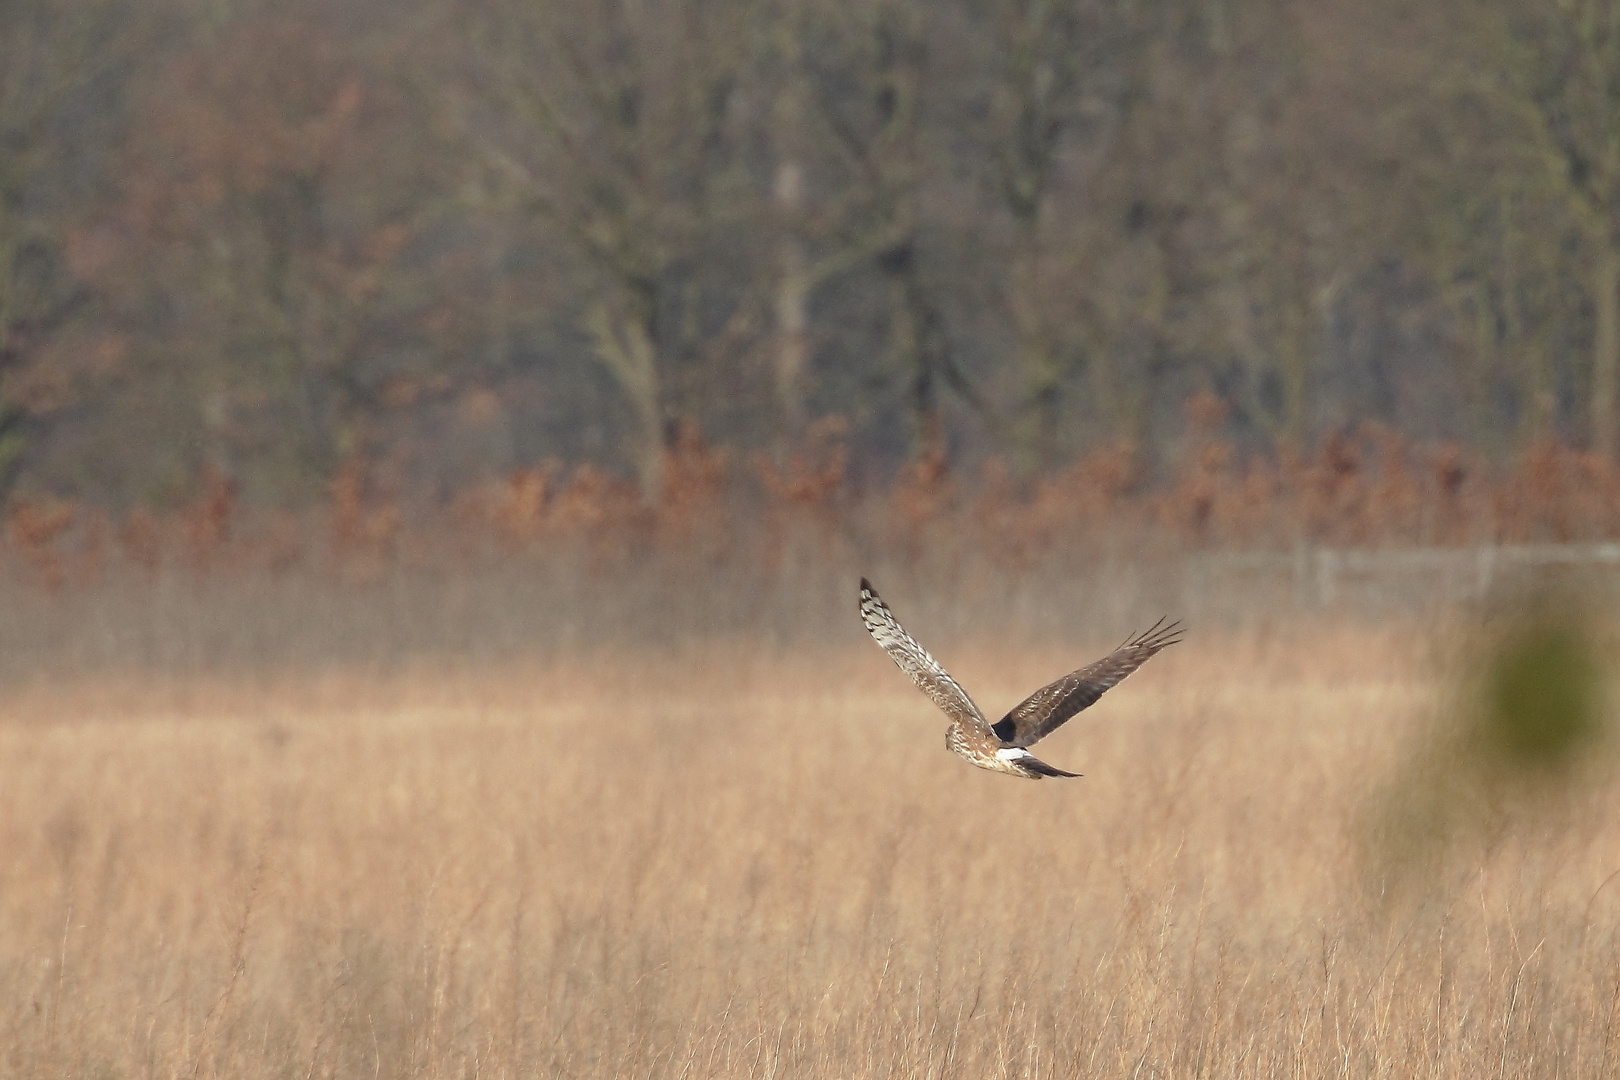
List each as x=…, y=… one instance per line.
x=552, y=780
x=727, y=860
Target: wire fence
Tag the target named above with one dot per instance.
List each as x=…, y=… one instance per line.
x=1381, y=580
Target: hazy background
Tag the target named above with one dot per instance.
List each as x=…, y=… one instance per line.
x=674, y=318
x=454, y=239
x=439, y=442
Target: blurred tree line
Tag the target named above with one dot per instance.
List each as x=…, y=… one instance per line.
x=456, y=237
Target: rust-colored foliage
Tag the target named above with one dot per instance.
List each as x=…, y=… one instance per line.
x=602, y=512
x=206, y=523
x=521, y=501
x=814, y=475
x=62, y=542
x=141, y=539
x=94, y=535
x=1558, y=494
x=809, y=492
x=281, y=544
x=924, y=491
x=692, y=509
x=1070, y=509
x=365, y=523
x=1363, y=487
x=35, y=529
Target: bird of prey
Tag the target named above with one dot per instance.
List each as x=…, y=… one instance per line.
x=1001, y=747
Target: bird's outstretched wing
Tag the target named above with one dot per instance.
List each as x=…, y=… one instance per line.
x=1046, y=709
x=914, y=660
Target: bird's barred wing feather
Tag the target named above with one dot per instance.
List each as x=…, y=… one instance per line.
x=914, y=660
x=1046, y=709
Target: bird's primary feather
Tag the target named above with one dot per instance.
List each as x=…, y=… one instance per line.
x=1044, y=711
x=914, y=660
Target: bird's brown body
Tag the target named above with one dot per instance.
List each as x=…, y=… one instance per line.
x=1001, y=747
x=979, y=746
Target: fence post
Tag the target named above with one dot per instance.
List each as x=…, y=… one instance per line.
x=1484, y=570
x=1327, y=576
x=1302, y=573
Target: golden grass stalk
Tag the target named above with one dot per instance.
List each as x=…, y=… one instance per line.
x=727, y=861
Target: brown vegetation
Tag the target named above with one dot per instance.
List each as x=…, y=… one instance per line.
x=1370, y=489
x=459, y=238
x=744, y=863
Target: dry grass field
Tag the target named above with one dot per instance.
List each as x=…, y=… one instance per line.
x=704, y=861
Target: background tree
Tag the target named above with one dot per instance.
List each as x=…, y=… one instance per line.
x=60, y=63
x=615, y=125
x=277, y=210
x=1517, y=117
x=1063, y=80
x=454, y=237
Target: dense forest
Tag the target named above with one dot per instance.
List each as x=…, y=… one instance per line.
x=265, y=240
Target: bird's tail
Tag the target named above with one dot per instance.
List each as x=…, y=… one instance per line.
x=1041, y=768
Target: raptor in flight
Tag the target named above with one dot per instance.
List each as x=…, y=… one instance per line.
x=1001, y=746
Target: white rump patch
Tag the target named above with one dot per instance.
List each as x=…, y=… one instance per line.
x=1011, y=753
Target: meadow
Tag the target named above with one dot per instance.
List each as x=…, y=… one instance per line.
x=554, y=781
x=727, y=857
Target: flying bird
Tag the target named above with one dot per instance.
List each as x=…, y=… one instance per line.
x=1002, y=746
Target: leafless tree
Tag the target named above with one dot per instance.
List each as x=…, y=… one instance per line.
x=614, y=121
